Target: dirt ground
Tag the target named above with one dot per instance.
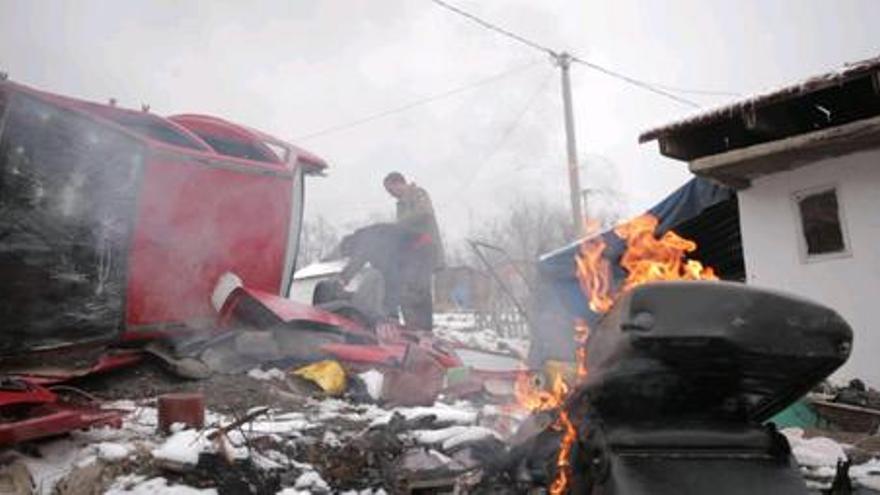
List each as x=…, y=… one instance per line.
x=227, y=394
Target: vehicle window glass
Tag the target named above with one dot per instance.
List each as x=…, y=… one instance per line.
x=235, y=148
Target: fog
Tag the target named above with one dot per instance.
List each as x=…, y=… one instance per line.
x=296, y=68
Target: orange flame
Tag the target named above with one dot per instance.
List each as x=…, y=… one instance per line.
x=569, y=435
x=563, y=457
x=534, y=398
x=594, y=274
x=649, y=259
x=581, y=334
x=646, y=259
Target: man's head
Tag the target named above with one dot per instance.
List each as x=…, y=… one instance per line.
x=395, y=183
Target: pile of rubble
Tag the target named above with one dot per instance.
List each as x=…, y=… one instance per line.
x=319, y=446
x=279, y=431
x=268, y=430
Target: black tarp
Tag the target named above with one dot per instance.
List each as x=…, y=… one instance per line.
x=699, y=210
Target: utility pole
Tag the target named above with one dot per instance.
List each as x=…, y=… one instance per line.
x=574, y=181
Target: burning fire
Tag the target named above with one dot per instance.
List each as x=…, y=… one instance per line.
x=534, y=398
x=646, y=259
x=531, y=396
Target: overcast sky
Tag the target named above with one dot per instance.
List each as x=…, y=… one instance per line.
x=296, y=67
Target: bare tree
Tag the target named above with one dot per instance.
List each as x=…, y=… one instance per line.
x=528, y=229
x=319, y=238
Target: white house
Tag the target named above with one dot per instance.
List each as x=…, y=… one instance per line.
x=805, y=161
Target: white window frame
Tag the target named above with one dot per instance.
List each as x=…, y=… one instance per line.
x=796, y=198
x=294, y=228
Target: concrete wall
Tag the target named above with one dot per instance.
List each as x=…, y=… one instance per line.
x=849, y=283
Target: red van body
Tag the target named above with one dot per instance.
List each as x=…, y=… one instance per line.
x=117, y=224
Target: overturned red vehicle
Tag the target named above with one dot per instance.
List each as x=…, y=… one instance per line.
x=117, y=224
x=122, y=221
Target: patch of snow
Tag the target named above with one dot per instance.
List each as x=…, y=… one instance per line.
x=464, y=332
x=270, y=374
x=428, y=437
x=183, y=447
x=280, y=427
x=141, y=421
x=320, y=269
x=472, y=434
x=331, y=439
x=813, y=452
x=443, y=413
x=175, y=427
x=373, y=380
x=56, y=460
x=311, y=480
x=265, y=463
x=456, y=320
x=112, y=452
x=154, y=486
x=330, y=408
x=453, y=436
x=103, y=434
x=867, y=474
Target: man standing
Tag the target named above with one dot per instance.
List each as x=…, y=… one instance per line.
x=415, y=213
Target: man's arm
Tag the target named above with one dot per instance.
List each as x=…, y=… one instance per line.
x=354, y=265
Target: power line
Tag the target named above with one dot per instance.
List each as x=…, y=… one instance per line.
x=665, y=91
x=704, y=92
x=416, y=103
x=635, y=82
x=493, y=27
x=511, y=128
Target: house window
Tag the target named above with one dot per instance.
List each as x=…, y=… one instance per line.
x=821, y=226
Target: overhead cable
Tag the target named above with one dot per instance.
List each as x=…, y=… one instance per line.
x=416, y=103
x=662, y=90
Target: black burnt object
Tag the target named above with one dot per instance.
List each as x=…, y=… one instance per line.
x=681, y=377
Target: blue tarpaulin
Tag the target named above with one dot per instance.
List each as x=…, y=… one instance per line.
x=557, y=271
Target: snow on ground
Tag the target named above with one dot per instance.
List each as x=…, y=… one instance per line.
x=112, y=451
x=183, y=447
x=453, y=436
x=818, y=457
x=463, y=328
x=373, y=380
x=813, y=452
x=137, y=485
x=311, y=481
x=329, y=423
x=270, y=374
x=442, y=412
x=867, y=474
